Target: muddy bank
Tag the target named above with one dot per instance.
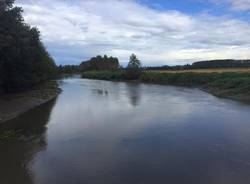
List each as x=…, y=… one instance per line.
x=13, y=105
x=229, y=94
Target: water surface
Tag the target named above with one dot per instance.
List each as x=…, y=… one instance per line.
x=100, y=132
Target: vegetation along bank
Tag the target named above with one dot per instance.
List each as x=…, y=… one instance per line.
x=26, y=67
x=233, y=83
x=230, y=85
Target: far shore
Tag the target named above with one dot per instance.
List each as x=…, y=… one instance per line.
x=232, y=83
x=13, y=105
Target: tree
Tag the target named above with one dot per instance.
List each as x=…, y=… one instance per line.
x=24, y=61
x=100, y=63
x=68, y=69
x=134, y=62
x=134, y=68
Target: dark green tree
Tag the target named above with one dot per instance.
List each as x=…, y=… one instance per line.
x=134, y=68
x=68, y=69
x=24, y=61
x=100, y=63
x=134, y=62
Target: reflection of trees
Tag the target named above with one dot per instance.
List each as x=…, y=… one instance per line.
x=15, y=155
x=134, y=93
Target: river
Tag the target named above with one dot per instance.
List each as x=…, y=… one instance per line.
x=102, y=132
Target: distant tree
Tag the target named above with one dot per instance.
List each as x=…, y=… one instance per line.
x=224, y=63
x=134, y=62
x=100, y=63
x=134, y=68
x=68, y=69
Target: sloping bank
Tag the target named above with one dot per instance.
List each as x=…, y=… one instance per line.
x=12, y=105
x=231, y=85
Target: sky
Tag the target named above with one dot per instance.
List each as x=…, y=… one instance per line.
x=159, y=32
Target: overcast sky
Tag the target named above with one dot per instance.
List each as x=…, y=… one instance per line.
x=160, y=32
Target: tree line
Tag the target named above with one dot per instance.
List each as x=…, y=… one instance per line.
x=100, y=63
x=105, y=63
x=221, y=63
x=68, y=69
x=24, y=61
x=224, y=63
x=97, y=63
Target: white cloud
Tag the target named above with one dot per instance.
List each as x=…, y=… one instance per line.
x=76, y=30
x=237, y=5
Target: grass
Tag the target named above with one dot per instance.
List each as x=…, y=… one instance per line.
x=191, y=78
x=43, y=91
x=10, y=135
x=104, y=75
x=234, y=84
x=212, y=70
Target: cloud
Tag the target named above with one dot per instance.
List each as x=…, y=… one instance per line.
x=76, y=30
x=237, y=5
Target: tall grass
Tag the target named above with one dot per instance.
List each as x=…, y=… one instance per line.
x=228, y=84
x=190, y=78
x=224, y=84
x=105, y=75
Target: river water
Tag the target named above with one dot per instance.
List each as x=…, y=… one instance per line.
x=101, y=132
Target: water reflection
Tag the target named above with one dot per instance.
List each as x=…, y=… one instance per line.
x=134, y=93
x=174, y=135
x=16, y=155
x=100, y=91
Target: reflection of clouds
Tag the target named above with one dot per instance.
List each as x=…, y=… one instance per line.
x=87, y=129
x=84, y=109
x=105, y=140
x=16, y=156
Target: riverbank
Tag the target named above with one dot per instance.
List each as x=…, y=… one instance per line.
x=13, y=105
x=233, y=85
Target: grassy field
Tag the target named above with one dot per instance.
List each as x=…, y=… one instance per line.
x=214, y=70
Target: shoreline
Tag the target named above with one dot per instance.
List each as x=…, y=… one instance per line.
x=213, y=91
x=244, y=98
x=217, y=92
x=14, y=105
x=228, y=85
